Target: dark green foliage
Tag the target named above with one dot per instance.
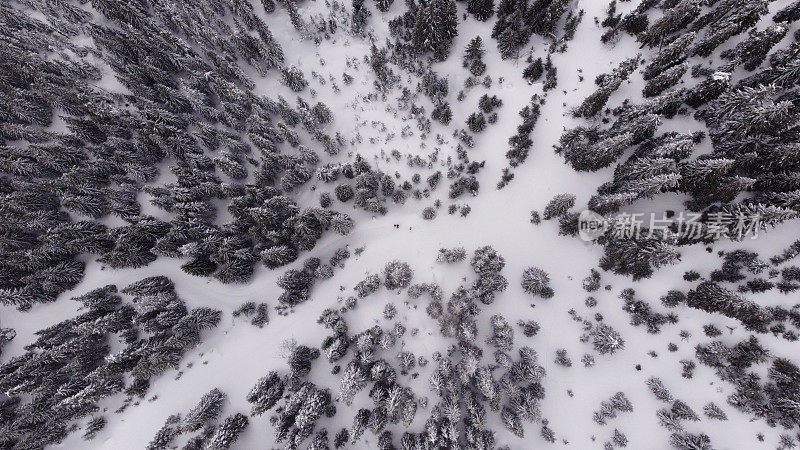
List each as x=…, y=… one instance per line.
x=673, y=20
x=521, y=142
x=671, y=55
x=296, y=285
x=790, y=13
x=665, y=80
x=383, y=5
x=533, y=71
x=166, y=434
x=476, y=122
x=711, y=297
x=435, y=26
x=301, y=358
x=517, y=20
x=228, y=432
x=558, y=206
x=93, y=427
x=481, y=9
x=266, y=393
x=205, y=411
x=397, y=275
x=607, y=84
x=642, y=314
x=442, y=113
x=606, y=339
x=730, y=18
x=753, y=51
x=535, y=281
x=155, y=330
x=673, y=298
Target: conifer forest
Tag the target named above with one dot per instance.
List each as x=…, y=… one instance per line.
x=400, y=224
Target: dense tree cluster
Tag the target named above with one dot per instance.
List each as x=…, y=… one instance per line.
x=518, y=20
x=748, y=105
x=109, y=105
x=154, y=331
x=774, y=399
x=194, y=109
x=201, y=421
x=435, y=27
x=521, y=142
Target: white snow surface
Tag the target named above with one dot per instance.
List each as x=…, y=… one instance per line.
x=234, y=355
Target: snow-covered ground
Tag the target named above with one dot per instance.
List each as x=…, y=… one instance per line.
x=235, y=354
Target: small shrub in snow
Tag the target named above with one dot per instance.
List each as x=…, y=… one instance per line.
x=452, y=255
x=529, y=327
x=606, y=339
x=487, y=260
x=673, y=298
x=562, y=359
x=592, y=282
x=368, y=285
x=536, y=281
x=712, y=411
x=397, y=275
x=658, y=389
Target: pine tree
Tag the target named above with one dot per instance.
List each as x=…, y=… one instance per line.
x=673, y=20
x=512, y=422
x=93, y=427
x=637, y=257
x=476, y=122
x=688, y=441
x=293, y=77
x=205, y=411
x=481, y=9
x=665, y=80
x=606, y=339
x=266, y=393
x=473, y=57
x=658, y=389
x=228, y=432
x=535, y=281
x=674, y=53
x=790, y=13
x=397, y=275
x=608, y=83
x=746, y=14
x=753, y=51
x=711, y=297
x=558, y=206
x=533, y=71
x=384, y=5
x=166, y=434
x=502, y=334
x=435, y=26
